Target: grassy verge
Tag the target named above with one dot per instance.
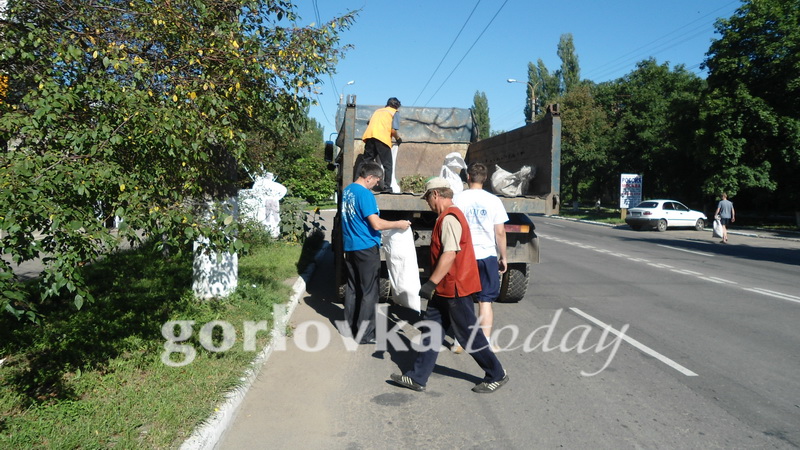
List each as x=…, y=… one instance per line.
x=95, y=378
x=603, y=215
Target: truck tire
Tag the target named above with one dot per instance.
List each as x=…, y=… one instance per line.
x=514, y=283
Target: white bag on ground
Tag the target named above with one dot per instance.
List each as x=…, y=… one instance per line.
x=512, y=184
x=717, y=227
x=451, y=171
x=401, y=260
x=395, y=186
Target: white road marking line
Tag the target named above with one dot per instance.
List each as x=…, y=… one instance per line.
x=723, y=280
x=780, y=295
x=684, y=250
x=639, y=260
x=619, y=255
x=686, y=272
x=602, y=250
x=660, y=266
x=712, y=279
x=636, y=344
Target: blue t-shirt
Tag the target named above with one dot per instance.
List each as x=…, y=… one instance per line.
x=358, y=203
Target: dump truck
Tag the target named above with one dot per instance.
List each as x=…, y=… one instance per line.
x=429, y=134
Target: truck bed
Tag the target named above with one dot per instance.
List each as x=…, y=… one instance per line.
x=528, y=204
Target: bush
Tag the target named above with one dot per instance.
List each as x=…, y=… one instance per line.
x=413, y=183
x=310, y=180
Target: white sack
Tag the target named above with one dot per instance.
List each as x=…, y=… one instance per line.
x=395, y=186
x=717, y=227
x=511, y=184
x=401, y=260
x=451, y=171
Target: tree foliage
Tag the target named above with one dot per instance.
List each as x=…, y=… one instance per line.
x=751, y=113
x=301, y=167
x=584, y=148
x=480, y=111
x=653, y=112
x=570, y=72
x=140, y=110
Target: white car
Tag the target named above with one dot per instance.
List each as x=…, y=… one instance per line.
x=660, y=214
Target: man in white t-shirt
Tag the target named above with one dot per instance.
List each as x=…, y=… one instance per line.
x=486, y=217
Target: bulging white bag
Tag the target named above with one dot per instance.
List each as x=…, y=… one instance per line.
x=401, y=260
x=717, y=227
x=451, y=171
x=512, y=184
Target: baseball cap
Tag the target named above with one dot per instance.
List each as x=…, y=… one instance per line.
x=433, y=183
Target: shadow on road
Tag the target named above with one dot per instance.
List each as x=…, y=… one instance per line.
x=768, y=250
x=324, y=301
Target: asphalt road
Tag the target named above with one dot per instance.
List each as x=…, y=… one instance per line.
x=709, y=357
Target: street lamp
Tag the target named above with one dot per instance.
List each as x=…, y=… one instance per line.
x=341, y=96
x=533, y=96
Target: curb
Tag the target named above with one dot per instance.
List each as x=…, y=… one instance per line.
x=207, y=435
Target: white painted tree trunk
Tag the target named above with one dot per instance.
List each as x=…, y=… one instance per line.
x=214, y=274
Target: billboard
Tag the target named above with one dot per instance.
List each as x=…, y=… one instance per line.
x=630, y=190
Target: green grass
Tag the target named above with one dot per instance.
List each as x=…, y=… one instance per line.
x=95, y=379
x=604, y=215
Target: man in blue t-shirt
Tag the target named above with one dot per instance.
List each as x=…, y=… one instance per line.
x=361, y=227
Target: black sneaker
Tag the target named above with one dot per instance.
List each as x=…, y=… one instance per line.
x=406, y=381
x=488, y=388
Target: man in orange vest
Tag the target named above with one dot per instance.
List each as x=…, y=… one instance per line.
x=382, y=127
x=453, y=281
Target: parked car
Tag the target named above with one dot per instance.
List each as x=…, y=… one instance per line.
x=660, y=214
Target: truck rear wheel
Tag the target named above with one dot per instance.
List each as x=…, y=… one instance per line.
x=514, y=283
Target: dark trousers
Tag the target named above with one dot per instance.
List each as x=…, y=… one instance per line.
x=377, y=151
x=361, y=293
x=458, y=312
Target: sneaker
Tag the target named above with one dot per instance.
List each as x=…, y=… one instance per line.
x=488, y=388
x=406, y=381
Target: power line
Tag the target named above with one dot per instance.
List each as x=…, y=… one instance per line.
x=467, y=52
x=662, y=48
x=446, y=53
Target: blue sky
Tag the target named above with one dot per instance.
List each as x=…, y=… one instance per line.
x=398, y=46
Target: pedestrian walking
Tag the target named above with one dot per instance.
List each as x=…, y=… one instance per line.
x=727, y=215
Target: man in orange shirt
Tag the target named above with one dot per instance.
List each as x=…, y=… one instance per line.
x=382, y=127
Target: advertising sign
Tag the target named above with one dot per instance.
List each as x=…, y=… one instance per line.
x=630, y=190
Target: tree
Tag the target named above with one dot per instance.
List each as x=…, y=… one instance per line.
x=583, y=149
x=570, y=72
x=140, y=110
x=300, y=165
x=547, y=87
x=751, y=113
x=480, y=110
x=653, y=121
x=550, y=86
